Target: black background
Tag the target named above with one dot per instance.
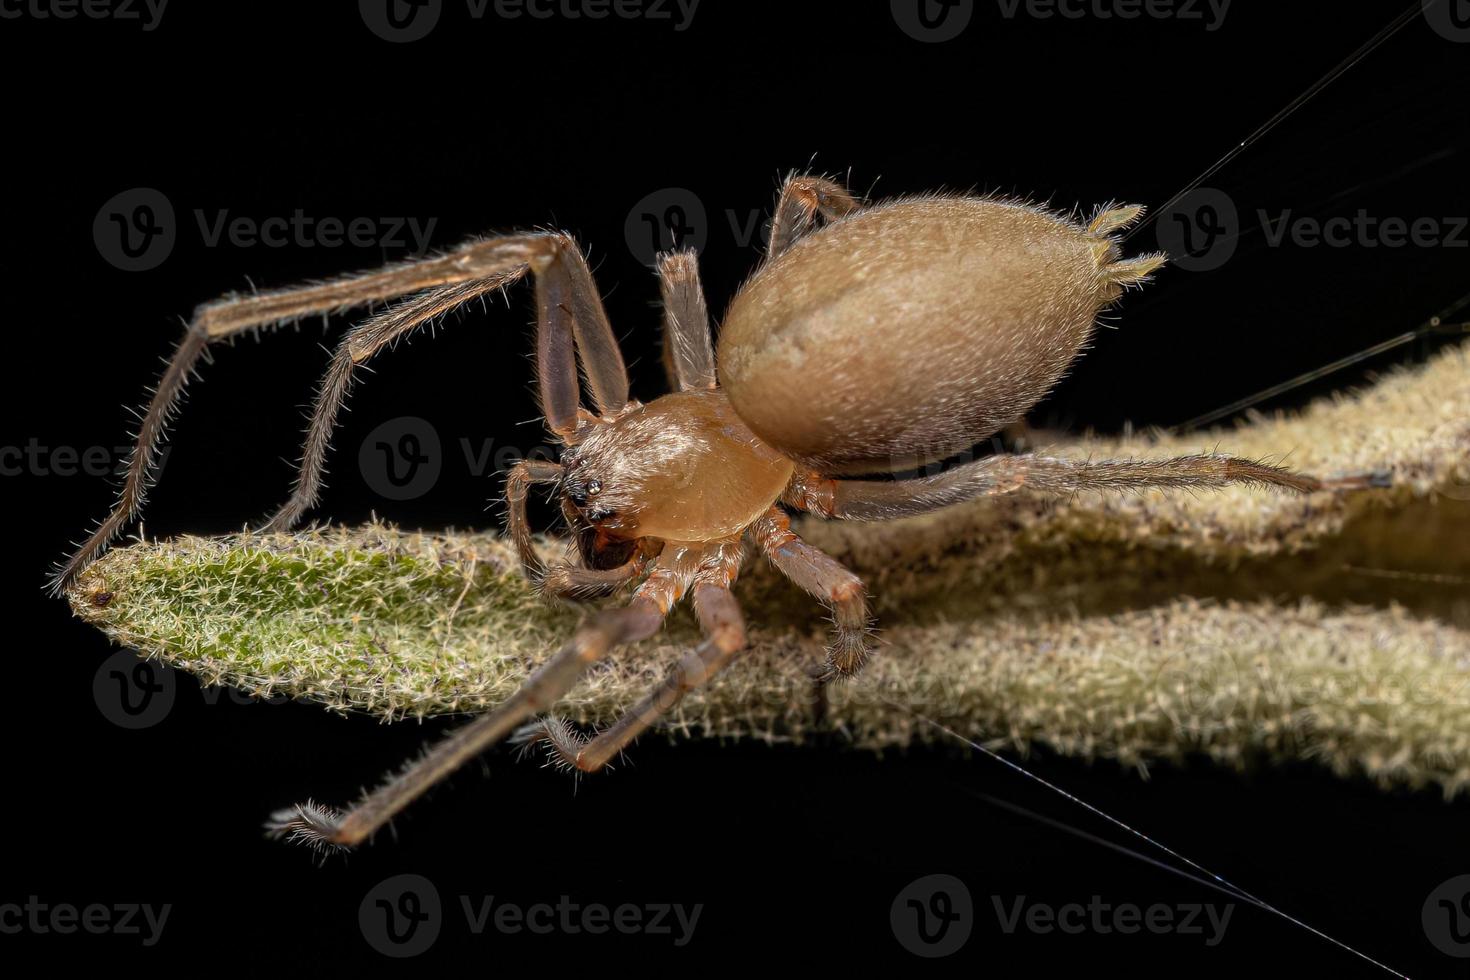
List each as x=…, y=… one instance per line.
x=492, y=124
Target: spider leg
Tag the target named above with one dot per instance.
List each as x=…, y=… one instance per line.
x=872, y=500
x=689, y=356
x=517, y=484
x=571, y=323
x=827, y=579
x=356, y=346
x=561, y=579
x=804, y=197
x=233, y=314
x=724, y=630
x=568, y=581
x=602, y=633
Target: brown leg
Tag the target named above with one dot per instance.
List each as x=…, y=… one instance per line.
x=566, y=581
x=689, y=356
x=570, y=324
x=724, y=630
x=357, y=346
x=802, y=199
x=870, y=500
x=233, y=314
x=602, y=633
x=562, y=579
x=517, y=485
x=828, y=580
x=141, y=461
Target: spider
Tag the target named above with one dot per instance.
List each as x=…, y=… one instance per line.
x=871, y=339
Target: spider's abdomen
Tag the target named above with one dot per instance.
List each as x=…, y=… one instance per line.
x=910, y=331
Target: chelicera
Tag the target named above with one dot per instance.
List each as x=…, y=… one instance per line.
x=871, y=339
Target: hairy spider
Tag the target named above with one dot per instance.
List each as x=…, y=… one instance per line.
x=872, y=339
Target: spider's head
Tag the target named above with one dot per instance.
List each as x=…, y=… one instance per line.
x=594, y=528
x=600, y=506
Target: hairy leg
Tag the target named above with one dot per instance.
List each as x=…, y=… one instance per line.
x=724, y=630
x=571, y=324
x=602, y=633
x=689, y=356
x=567, y=581
x=235, y=313
x=873, y=500
x=517, y=485
x=358, y=345
x=561, y=579
x=802, y=199
x=828, y=580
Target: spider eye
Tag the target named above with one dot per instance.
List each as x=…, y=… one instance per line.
x=579, y=493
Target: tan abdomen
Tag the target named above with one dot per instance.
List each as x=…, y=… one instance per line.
x=911, y=331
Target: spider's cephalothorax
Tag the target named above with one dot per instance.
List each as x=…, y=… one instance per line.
x=684, y=467
x=871, y=338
